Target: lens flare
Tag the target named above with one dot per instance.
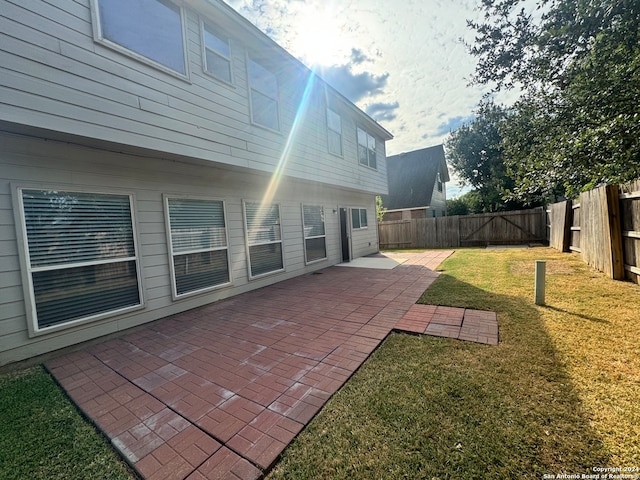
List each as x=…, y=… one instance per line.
x=274, y=183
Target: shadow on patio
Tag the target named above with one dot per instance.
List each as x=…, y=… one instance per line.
x=422, y=407
x=220, y=391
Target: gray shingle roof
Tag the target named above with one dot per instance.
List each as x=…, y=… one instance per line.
x=412, y=176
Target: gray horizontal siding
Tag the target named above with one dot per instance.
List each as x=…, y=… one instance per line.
x=364, y=241
x=56, y=77
x=35, y=163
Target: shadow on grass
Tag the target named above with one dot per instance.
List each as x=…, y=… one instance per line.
x=579, y=315
x=531, y=413
x=426, y=407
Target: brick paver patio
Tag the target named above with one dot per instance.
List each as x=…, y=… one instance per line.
x=220, y=391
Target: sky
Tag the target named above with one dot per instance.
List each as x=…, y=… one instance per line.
x=404, y=62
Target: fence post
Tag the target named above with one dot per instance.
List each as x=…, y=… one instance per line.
x=568, y=221
x=615, y=232
x=541, y=270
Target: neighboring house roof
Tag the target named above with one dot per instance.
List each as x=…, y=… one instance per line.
x=412, y=177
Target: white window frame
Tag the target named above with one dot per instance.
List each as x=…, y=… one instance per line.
x=204, y=26
x=339, y=133
x=98, y=37
x=368, y=137
x=439, y=183
x=359, y=226
x=249, y=58
x=172, y=254
x=249, y=245
x=305, y=237
x=34, y=329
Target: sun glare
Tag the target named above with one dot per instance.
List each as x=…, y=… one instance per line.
x=319, y=39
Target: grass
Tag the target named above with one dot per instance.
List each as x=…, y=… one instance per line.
x=42, y=435
x=558, y=395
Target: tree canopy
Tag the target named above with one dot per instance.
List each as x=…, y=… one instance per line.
x=466, y=204
x=577, y=62
x=476, y=152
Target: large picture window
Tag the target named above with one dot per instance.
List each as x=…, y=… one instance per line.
x=81, y=256
x=315, y=247
x=264, y=96
x=151, y=29
x=366, y=149
x=334, y=132
x=264, y=238
x=217, y=54
x=198, y=245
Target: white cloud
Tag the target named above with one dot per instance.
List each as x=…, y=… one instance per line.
x=354, y=86
x=382, y=111
x=402, y=62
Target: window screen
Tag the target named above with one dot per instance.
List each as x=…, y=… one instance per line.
x=314, y=233
x=358, y=217
x=264, y=238
x=81, y=255
x=264, y=96
x=217, y=54
x=366, y=149
x=198, y=244
x=334, y=132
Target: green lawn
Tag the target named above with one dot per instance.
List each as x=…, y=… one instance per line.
x=42, y=435
x=558, y=395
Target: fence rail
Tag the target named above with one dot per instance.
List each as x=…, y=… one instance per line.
x=603, y=225
x=501, y=228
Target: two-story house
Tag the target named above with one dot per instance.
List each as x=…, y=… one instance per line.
x=417, y=184
x=160, y=155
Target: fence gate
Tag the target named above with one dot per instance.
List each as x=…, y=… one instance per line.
x=502, y=228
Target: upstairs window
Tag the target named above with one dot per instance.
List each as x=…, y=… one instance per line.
x=315, y=247
x=198, y=245
x=264, y=96
x=80, y=255
x=366, y=149
x=151, y=29
x=334, y=131
x=439, y=182
x=358, y=218
x=264, y=238
x=217, y=54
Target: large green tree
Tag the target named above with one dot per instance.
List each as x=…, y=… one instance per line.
x=577, y=62
x=476, y=153
x=466, y=204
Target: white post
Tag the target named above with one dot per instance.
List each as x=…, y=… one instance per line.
x=540, y=281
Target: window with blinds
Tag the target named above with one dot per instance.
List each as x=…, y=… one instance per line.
x=198, y=245
x=315, y=247
x=81, y=256
x=264, y=238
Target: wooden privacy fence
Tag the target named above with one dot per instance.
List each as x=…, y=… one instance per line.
x=501, y=228
x=603, y=225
